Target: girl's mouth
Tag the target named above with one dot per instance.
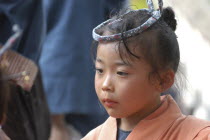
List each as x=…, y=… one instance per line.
x=109, y=103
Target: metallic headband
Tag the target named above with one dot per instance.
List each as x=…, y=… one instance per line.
x=156, y=14
x=10, y=42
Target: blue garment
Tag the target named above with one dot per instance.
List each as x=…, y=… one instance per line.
x=28, y=14
x=66, y=65
x=122, y=135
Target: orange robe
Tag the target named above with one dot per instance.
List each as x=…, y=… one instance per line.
x=166, y=123
x=3, y=136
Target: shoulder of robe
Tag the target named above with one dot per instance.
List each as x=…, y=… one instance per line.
x=194, y=127
x=204, y=134
x=108, y=127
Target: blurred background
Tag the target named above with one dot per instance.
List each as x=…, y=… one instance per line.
x=193, y=19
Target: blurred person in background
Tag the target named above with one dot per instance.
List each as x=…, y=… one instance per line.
x=67, y=68
x=28, y=114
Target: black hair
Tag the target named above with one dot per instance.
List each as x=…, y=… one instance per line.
x=158, y=44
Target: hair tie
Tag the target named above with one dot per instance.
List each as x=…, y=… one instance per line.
x=156, y=14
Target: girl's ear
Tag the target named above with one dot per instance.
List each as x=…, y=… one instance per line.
x=166, y=80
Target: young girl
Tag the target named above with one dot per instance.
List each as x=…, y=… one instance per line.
x=137, y=58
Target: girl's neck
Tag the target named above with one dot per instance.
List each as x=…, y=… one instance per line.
x=128, y=123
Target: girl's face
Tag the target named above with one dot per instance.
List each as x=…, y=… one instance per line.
x=124, y=89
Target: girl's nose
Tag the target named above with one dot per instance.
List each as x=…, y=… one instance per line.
x=107, y=84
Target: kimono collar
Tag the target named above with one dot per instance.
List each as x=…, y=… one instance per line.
x=162, y=118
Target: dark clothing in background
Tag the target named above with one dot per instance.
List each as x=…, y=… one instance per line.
x=66, y=64
x=29, y=15
x=28, y=115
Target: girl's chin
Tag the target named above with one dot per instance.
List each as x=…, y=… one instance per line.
x=115, y=115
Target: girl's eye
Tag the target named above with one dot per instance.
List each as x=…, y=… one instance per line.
x=122, y=73
x=99, y=71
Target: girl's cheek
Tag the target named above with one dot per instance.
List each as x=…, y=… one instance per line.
x=97, y=85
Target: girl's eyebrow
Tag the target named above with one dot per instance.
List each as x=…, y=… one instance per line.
x=122, y=63
x=118, y=63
